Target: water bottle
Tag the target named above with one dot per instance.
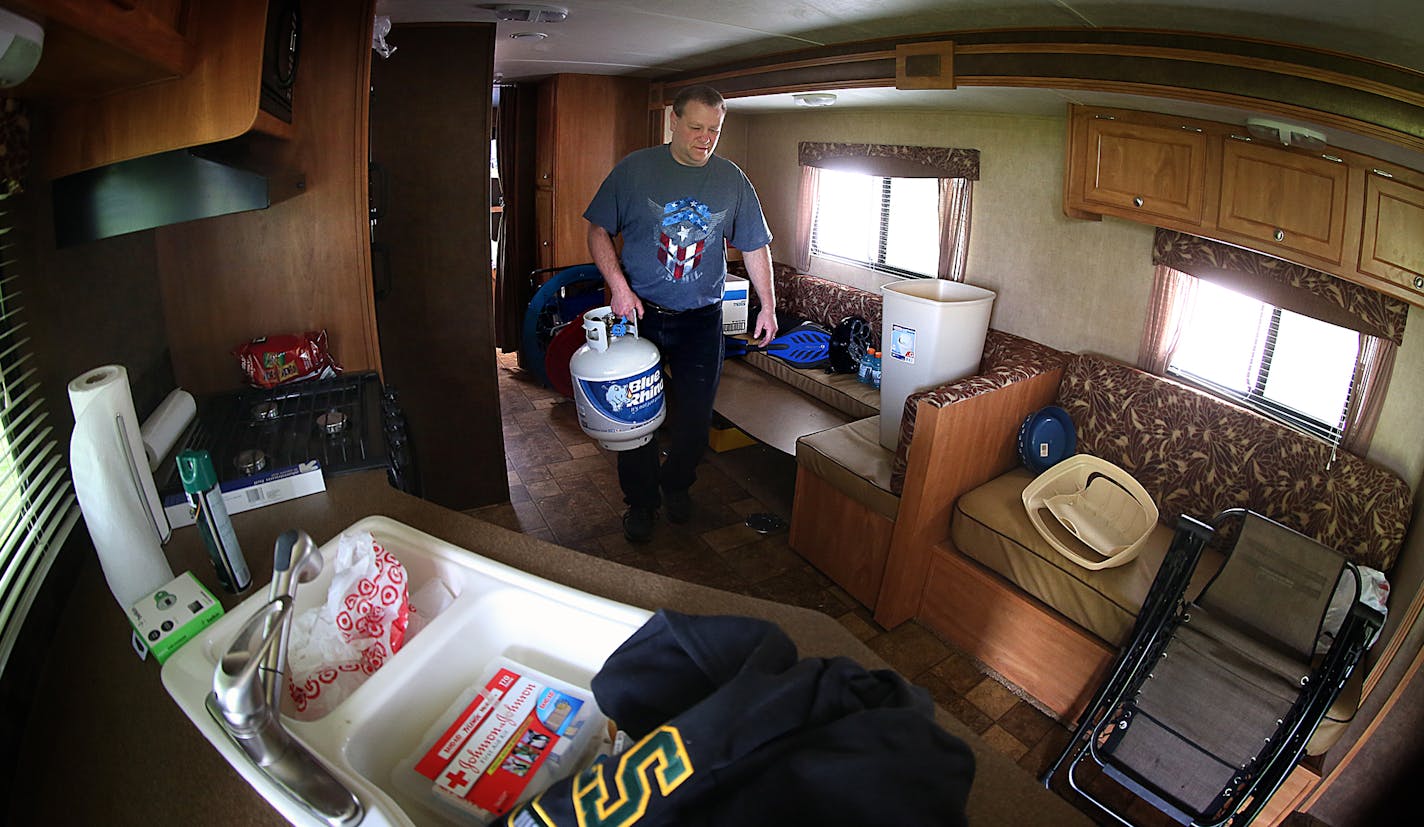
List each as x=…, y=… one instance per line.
x=875, y=365
x=862, y=374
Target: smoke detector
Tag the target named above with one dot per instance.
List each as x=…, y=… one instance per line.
x=529, y=13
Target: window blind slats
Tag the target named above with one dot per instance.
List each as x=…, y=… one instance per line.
x=889, y=225
x=20, y=469
x=45, y=468
x=38, y=508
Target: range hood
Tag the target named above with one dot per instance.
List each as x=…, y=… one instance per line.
x=154, y=191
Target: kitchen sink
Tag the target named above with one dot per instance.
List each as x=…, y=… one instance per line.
x=497, y=611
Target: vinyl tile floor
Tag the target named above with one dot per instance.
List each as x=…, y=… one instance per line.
x=564, y=488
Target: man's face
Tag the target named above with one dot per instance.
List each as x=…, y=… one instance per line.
x=694, y=135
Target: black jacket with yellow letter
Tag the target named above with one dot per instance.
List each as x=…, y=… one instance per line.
x=734, y=729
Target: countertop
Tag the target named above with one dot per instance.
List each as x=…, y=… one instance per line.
x=107, y=745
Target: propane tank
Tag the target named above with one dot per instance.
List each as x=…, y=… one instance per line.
x=618, y=382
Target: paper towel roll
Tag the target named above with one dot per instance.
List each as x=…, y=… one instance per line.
x=114, y=486
x=161, y=430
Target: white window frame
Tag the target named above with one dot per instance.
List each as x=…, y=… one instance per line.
x=878, y=265
x=1255, y=398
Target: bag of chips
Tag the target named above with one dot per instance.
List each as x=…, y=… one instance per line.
x=269, y=361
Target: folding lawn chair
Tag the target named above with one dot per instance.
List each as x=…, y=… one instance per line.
x=1210, y=704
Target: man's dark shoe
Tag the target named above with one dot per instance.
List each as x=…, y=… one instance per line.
x=679, y=506
x=638, y=524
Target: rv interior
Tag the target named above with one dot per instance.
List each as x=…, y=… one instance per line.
x=1199, y=228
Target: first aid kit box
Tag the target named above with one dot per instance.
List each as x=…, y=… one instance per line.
x=173, y=614
x=735, y=295
x=504, y=740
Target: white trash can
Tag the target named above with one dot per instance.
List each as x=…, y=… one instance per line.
x=932, y=332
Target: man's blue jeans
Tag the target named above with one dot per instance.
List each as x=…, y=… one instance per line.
x=691, y=346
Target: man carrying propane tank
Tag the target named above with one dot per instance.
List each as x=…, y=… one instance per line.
x=676, y=206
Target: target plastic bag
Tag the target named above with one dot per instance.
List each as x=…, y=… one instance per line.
x=269, y=361
x=335, y=647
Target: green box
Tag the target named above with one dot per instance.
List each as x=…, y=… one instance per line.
x=174, y=614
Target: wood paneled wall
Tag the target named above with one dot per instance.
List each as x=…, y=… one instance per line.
x=301, y=264
x=431, y=115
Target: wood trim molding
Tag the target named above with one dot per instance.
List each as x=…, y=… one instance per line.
x=1383, y=133
x=1279, y=67
x=1347, y=92
x=808, y=63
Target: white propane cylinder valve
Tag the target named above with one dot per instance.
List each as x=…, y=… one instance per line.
x=618, y=382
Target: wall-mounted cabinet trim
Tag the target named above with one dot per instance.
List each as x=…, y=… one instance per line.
x=1351, y=93
x=1340, y=212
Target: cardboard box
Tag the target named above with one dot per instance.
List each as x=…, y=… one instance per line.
x=173, y=614
x=254, y=491
x=727, y=439
x=504, y=740
x=735, y=296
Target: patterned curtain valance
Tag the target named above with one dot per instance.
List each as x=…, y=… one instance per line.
x=891, y=160
x=1283, y=284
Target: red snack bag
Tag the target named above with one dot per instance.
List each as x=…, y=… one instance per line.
x=269, y=361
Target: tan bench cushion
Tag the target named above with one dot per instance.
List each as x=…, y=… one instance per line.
x=841, y=391
x=990, y=526
x=851, y=459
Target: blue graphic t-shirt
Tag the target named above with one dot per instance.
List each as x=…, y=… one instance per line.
x=674, y=219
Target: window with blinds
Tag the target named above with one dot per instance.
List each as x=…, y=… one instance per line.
x=1292, y=368
x=886, y=224
x=37, y=504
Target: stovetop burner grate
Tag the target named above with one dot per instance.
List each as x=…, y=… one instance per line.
x=287, y=425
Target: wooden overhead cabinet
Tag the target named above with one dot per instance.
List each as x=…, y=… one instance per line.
x=1392, y=242
x=1339, y=212
x=133, y=79
x=1291, y=200
x=1142, y=171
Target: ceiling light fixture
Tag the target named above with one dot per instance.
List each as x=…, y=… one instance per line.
x=528, y=36
x=529, y=13
x=814, y=99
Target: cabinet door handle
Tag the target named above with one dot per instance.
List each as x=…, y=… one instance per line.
x=1245, y=138
x=1381, y=173
x=1137, y=202
x=1419, y=282
x=1192, y=128
x=1279, y=234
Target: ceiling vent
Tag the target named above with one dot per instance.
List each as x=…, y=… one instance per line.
x=530, y=13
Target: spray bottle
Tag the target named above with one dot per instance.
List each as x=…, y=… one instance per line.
x=200, y=483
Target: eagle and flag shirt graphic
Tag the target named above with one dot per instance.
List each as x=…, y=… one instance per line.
x=684, y=227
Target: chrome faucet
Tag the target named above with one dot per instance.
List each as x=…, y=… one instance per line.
x=247, y=691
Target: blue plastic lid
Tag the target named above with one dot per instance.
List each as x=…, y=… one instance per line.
x=1046, y=438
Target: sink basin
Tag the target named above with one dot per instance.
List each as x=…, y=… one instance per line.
x=497, y=610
